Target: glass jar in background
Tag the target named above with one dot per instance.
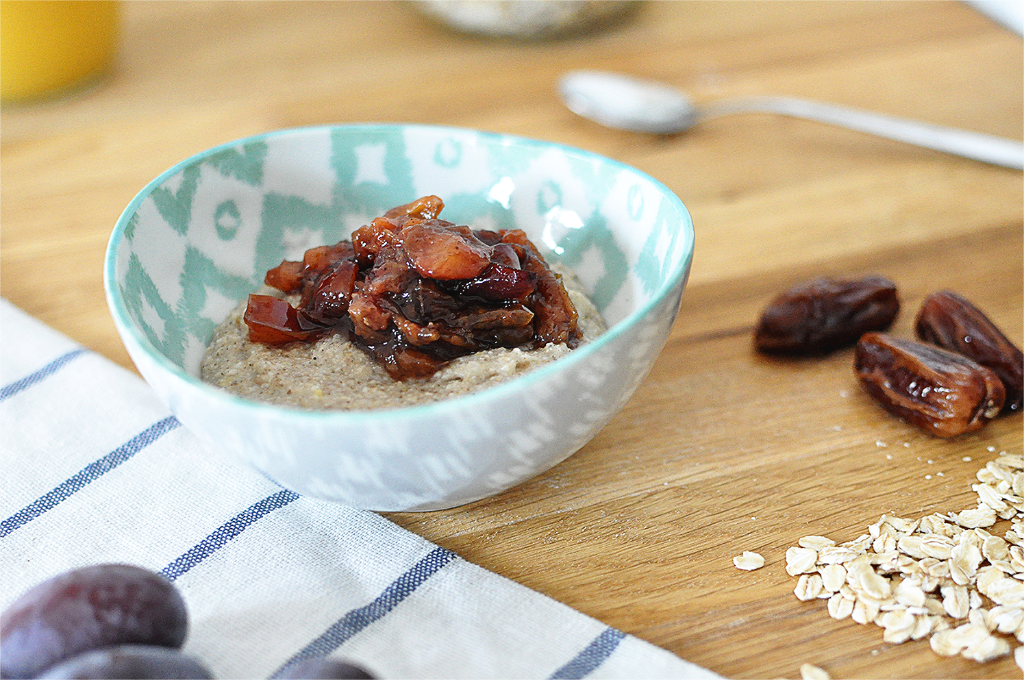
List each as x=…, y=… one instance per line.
x=526, y=19
x=50, y=47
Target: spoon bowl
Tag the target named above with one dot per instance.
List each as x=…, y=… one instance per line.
x=626, y=103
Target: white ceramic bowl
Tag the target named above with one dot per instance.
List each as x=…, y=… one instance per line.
x=199, y=238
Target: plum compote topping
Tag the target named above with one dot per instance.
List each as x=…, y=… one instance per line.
x=414, y=292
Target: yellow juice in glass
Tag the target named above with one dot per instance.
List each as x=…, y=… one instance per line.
x=48, y=47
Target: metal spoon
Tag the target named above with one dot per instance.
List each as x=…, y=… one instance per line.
x=627, y=103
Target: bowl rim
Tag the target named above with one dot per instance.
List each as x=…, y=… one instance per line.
x=123, y=321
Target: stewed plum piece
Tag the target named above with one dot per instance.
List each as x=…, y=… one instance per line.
x=89, y=608
x=415, y=291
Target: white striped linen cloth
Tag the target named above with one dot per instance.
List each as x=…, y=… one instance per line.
x=95, y=470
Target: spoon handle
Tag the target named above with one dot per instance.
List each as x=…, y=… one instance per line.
x=975, y=145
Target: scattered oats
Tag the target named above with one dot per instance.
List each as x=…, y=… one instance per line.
x=865, y=610
x=934, y=568
x=896, y=618
x=987, y=475
x=839, y=607
x=884, y=545
x=977, y=618
x=910, y=594
x=982, y=516
x=968, y=635
x=923, y=627
x=904, y=526
x=859, y=544
x=815, y=542
x=990, y=497
x=944, y=644
x=897, y=636
x=1006, y=619
x=808, y=587
x=934, y=607
x=880, y=444
x=941, y=474
x=800, y=561
x=748, y=561
x=987, y=649
x=942, y=577
x=926, y=545
x=811, y=672
x=1017, y=486
x=991, y=449
x=995, y=548
x=888, y=456
x=966, y=459
x=862, y=578
x=999, y=588
x=833, y=576
x=933, y=524
x=955, y=601
x=836, y=555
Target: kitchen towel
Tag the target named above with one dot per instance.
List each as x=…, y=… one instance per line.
x=96, y=470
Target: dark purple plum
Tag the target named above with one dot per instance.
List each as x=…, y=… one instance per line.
x=89, y=608
x=129, y=662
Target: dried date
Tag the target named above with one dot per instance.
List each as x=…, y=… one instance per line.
x=825, y=314
x=942, y=392
x=950, y=321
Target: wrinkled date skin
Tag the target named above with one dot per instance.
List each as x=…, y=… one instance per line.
x=950, y=321
x=129, y=661
x=825, y=314
x=942, y=392
x=88, y=608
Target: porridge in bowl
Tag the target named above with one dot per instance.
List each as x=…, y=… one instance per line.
x=412, y=309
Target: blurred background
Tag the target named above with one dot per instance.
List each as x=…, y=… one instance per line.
x=156, y=82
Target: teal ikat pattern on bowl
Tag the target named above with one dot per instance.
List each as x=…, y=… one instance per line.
x=200, y=237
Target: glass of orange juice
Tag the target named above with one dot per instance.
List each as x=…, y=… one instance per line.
x=50, y=47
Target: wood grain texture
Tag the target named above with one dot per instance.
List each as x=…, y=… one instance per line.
x=721, y=450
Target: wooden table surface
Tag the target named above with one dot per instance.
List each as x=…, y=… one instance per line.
x=720, y=450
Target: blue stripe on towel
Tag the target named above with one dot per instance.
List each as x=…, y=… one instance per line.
x=358, y=619
x=88, y=474
x=226, y=532
x=46, y=371
x=592, y=656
